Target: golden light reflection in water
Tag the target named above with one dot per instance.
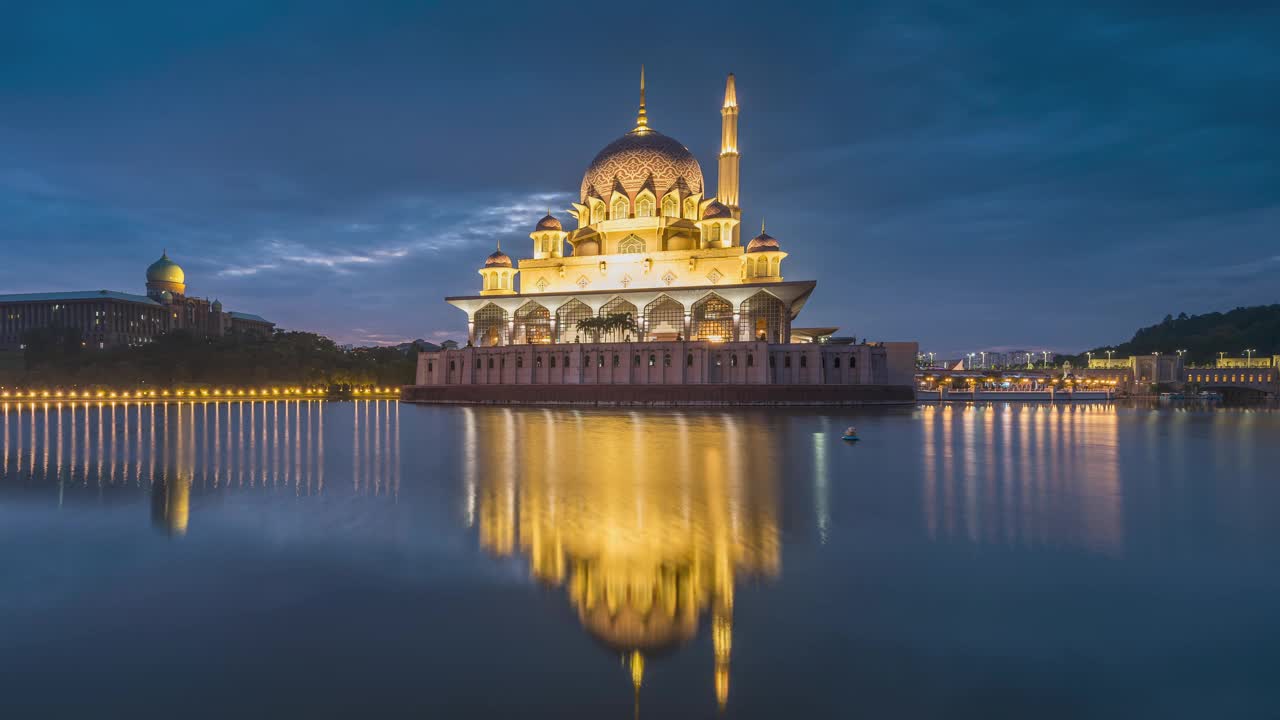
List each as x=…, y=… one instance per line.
x=1023, y=475
x=647, y=526
x=170, y=449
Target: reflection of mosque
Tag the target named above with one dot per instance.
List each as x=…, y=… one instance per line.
x=644, y=543
x=174, y=449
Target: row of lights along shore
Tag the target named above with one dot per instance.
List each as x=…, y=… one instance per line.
x=184, y=394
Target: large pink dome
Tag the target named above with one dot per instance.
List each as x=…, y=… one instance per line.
x=633, y=158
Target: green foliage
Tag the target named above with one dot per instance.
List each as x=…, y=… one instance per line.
x=1204, y=336
x=608, y=324
x=181, y=359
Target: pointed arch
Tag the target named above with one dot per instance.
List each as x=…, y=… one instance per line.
x=619, y=208
x=646, y=204
x=712, y=319
x=618, y=306
x=762, y=314
x=567, y=317
x=671, y=205
x=664, y=319
x=691, y=208
x=631, y=244
x=490, y=326
x=532, y=324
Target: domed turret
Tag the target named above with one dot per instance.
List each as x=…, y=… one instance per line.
x=716, y=210
x=497, y=258
x=762, y=261
x=548, y=238
x=548, y=222
x=763, y=243
x=498, y=276
x=165, y=275
x=217, y=306
x=718, y=225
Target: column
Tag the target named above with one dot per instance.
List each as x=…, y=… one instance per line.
x=471, y=328
x=688, y=323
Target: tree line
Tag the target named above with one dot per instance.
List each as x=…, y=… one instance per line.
x=56, y=357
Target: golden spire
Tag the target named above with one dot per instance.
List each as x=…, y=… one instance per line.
x=637, y=677
x=642, y=119
x=730, y=93
x=761, y=224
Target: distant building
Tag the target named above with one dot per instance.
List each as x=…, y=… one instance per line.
x=108, y=319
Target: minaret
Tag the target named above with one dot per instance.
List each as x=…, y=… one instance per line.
x=642, y=118
x=727, y=192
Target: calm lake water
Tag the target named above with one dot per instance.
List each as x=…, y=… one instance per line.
x=372, y=559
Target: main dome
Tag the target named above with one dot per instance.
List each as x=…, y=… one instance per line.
x=633, y=158
x=165, y=270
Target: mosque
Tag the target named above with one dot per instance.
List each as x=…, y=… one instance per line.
x=653, y=286
x=110, y=319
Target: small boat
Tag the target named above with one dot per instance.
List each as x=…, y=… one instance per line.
x=850, y=434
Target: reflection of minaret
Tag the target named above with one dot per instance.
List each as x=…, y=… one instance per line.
x=171, y=505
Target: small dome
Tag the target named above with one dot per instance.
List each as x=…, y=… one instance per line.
x=548, y=222
x=763, y=243
x=166, y=270
x=166, y=297
x=716, y=210
x=217, y=306
x=497, y=258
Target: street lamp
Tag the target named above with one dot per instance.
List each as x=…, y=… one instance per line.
x=970, y=361
x=984, y=359
x=1046, y=357
x=1249, y=352
x=1109, y=354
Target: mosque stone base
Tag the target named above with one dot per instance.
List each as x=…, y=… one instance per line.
x=661, y=395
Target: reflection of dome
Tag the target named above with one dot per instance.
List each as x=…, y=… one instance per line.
x=549, y=222
x=716, y=210
x=497, y=259
x=763, y=243
x=165, y=270
x=640, y=614
x=635, y=157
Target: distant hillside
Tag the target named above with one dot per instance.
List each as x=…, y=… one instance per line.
x=1204, y=336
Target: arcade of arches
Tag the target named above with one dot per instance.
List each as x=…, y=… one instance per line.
x=761, y=317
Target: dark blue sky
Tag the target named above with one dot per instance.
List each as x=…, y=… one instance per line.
x=1048, y=174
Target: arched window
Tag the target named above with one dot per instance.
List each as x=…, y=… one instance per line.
x=761, y=318
x=631, y=244
x=689, y=360
x=566, y=360
x=567, y=318
x=690, y=209
x=553, y=362
x=835, y=363
x=644, y=207
x=537, y=361
x=773, y=362
x=477, y=363
x=664, y=319
x=490, y=326
x=615, y=361
x=804, y=361
x=751, y=360
x=502, y=281
x=600, y=360
x=713, y=233
x=636, y=362
x=519, y=361
x=853, y=362
x=597, y=212
x=490, y=362
x=733, y=360
x=786, y=361
x=619, y=211
x=666, y=360
x=670, y=206
x=430, y=366
x=532, y=324
x=712, y=319
x=653, y=360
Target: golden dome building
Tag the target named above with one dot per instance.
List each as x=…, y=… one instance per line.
x=655, y=260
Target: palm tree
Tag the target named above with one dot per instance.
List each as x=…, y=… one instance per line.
x=608, y=324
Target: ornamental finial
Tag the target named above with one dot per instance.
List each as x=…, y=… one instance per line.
x=642, y=119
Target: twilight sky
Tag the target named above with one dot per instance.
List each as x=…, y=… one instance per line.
x=1043, y=175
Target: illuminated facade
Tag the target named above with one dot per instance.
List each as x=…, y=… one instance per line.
x=651, y=241
x=654, y=286
x=106, y=319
